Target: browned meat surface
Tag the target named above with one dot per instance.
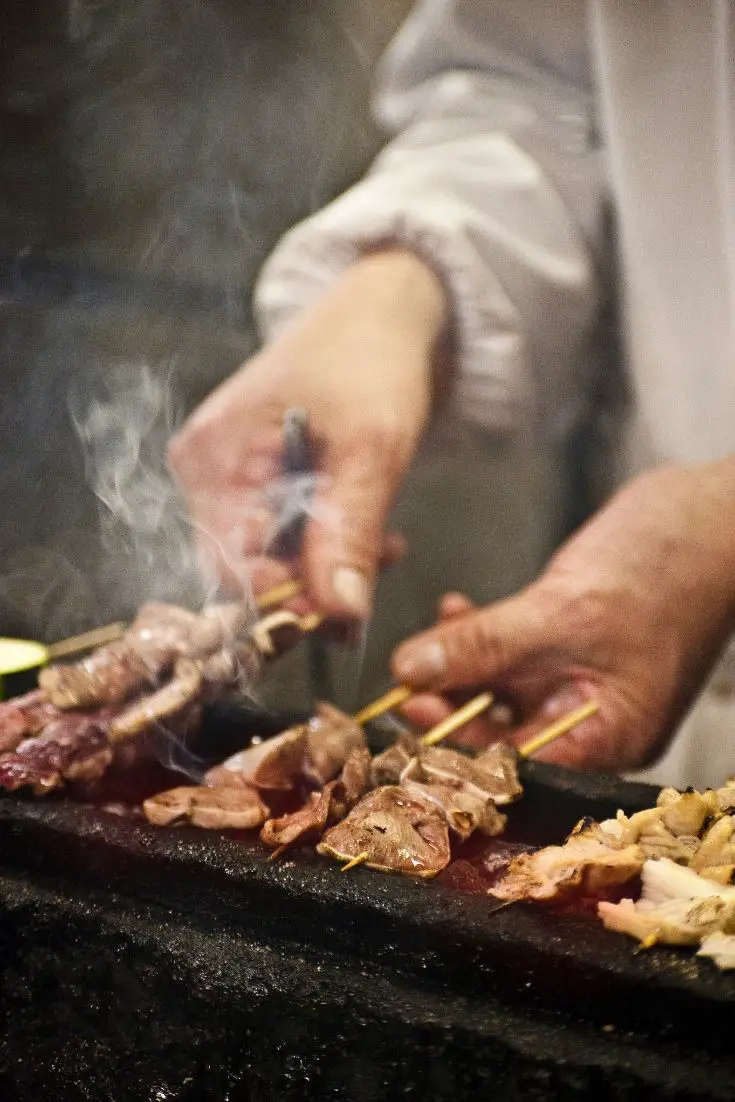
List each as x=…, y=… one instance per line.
x=159, y=636
x=328, y=806
x=464, y=811
x=208, y=808
x=157, y=707
x=396, y=831
x=23, y=717
x=388, y=767
x=70, y=748
x=584, y=865
x=355, y=776
x=306, y=824
x=331, y=735
x=113, y=673
x=274, y=764
x=493, y=774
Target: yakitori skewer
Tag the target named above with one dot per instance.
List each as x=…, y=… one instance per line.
x=561, y=727
x=109, y=633
x=462, y=716
x=392, y=699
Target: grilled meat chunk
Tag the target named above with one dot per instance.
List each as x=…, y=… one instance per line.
x=492, y=774
x=23, y=717
x=328, y=806
x=585, y=864
x=720, y=948
x=275, y=764
x=209, y=808
x=398, y=831
x=70, y=748
x=389, y=766
x=464, y=811
x=677, y=907
x=331, y=736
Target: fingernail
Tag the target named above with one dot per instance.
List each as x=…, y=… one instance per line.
x=420, y=664
x=352, y=588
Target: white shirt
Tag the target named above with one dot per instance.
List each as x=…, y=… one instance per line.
x=515, y=123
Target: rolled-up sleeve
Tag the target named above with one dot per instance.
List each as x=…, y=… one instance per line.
x=494, y=177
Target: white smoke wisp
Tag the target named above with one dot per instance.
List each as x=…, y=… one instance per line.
x=122, y=426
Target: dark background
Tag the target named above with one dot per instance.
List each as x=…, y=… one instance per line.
x=152, y=153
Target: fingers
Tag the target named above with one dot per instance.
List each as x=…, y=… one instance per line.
x=453, y=604
x=343, y=540
x=477, y=648
x=611, y=740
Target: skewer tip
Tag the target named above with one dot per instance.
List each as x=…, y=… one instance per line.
x=359, y=860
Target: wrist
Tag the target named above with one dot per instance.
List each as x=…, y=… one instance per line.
x=403, y=289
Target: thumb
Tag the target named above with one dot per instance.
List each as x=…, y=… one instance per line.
x=343, y=541
x=476, y=648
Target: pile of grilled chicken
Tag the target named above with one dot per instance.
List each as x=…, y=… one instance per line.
x=683, y=853
x=162, y=671
x=395, y=812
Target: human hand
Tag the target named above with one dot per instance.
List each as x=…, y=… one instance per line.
x=631, y=613
x=359, y=362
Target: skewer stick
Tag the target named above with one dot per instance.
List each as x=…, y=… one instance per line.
x=361, y=857
x=458, y=719
x=392, y=699
x=561, y=727
x=109, y=633
x=75, y=644
x=278, y=594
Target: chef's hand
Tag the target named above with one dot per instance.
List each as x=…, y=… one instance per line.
x=631, y=613
x=359, y=362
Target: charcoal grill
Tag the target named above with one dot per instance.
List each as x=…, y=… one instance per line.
x=180, y=965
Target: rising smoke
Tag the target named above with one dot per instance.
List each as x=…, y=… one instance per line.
x=154, y=152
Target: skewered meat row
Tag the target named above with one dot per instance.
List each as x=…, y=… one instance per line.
x=395, y=812
x=48, y=743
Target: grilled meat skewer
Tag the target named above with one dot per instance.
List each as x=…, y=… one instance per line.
x=77, y=745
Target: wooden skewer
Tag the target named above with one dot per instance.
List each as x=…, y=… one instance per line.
x=278, y=594
x=458, y=719
x=361, y=857
x=561, y=727
x=86, y=641
x=392, y=699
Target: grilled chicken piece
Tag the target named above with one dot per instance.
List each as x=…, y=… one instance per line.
x=328, y=806
x=398, y=832
x=331, y=736
x=492, y=774
x=585, y=864
x=715, y=857
x=274, y=764
x=677, y=907
x=465, y=812
x=720, y=948
x=209, y=808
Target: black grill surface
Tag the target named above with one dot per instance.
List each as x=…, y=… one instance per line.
x=175, y=964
